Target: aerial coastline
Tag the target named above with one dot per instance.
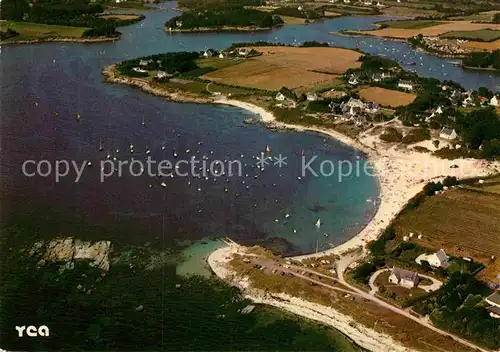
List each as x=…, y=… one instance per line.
x=430, y=146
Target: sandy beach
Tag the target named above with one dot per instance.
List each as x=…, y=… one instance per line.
x=402, y=174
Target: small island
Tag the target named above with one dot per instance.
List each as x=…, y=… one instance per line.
x=224, y=17
x=59, y=21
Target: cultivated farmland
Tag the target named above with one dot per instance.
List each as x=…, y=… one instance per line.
x=463, y=222
x=386, y=97
x=288, y=66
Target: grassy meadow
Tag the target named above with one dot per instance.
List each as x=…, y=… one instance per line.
x=482, y=35
x=29, y=31
x=410, y=24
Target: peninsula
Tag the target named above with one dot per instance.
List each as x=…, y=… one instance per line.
x=477, y=43
x=59, y=21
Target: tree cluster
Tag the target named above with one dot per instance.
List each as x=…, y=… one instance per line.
x=309, y=14
x=483, y=59
x=77, y=13
x=172, y=63
x=457, y=307
x=233, y=17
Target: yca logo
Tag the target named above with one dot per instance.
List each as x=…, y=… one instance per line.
x=33, y=331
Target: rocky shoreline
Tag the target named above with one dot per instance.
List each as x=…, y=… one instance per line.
x=61, y=39
x=217, y=29
x=112, y=76
x=69, y=250
x=361, y=335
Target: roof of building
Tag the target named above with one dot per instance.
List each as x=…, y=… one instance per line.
x=446, y=131
x=494, y=298
x=355, y=102
x=441, y=255
x=494, y=310
x=403, y=274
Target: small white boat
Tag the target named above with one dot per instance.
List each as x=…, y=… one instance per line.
x=318, y=223
x=268, y=150
x=163, y=184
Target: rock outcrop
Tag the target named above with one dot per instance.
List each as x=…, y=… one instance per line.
x=68, y=250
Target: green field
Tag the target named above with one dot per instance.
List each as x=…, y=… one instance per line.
x=28, y=30
x=410, y=24
x=483, y=35
x=478, y=17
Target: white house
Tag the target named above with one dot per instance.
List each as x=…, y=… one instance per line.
x=494, y=101
x=367, y=3
x=243, y=51
x=405, y=85
x=161, y=74
x=353, y=80
x=438, y=259
x=439, y=110
x=178, y=23
x=405, y=278
x=448, y=134
x=137, y=69
x=280, y=97
x=467, y=101
x=355, y=103
x=143, y=63
x=299, y=8
x=379, y=4
x=347, y=1
x=385, y=75
x=376, y=77
x=311, y=96
x=221, y=55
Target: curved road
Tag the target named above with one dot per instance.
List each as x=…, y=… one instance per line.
x=436, y=284
x=341, y=268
